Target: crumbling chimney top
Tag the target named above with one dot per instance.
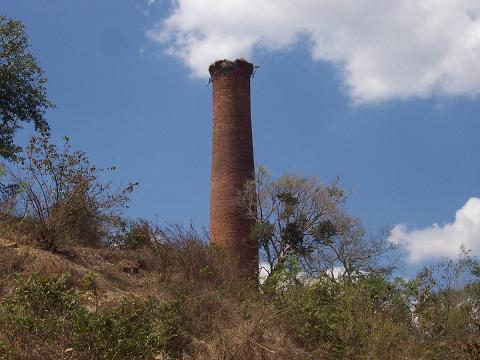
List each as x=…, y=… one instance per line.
x=224, y=66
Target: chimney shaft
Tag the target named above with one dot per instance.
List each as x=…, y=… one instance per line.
x=232, y=164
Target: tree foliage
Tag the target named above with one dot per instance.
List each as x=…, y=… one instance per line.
x=297, y=217
x=23, y=95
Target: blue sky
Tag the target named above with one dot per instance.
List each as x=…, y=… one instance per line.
x=390, y=107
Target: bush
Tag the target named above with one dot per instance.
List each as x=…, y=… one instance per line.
x=137, y=234
x=338, y=319
x=44, y=310
x=130, y=330
x=38, y=302
x=61, y=192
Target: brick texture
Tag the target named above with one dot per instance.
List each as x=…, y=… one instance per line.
x=232, y=164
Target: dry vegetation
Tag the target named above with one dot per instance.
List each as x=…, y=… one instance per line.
x=171, y=300
x=162, y=301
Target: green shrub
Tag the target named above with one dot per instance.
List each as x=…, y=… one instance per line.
x=137, y=234
x=131, y=330
x=88, y=283
x=339, y=319
x=314, y=314
x=47, y=309
x=39, y=302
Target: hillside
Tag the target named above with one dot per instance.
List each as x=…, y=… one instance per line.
x=171, y=301
x=138, y=304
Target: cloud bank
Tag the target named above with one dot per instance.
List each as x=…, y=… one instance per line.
x=437, y=241
x=385, y=49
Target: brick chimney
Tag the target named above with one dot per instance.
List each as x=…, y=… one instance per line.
x=232, y=164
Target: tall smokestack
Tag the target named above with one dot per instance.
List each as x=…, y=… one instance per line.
x=232, y=164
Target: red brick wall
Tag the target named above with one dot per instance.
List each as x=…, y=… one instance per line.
x=232, y=163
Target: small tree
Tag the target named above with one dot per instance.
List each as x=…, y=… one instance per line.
x=62, y=192
x=22, y=86
x=298, y=217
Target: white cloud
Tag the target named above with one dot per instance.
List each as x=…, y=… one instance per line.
x=437, y=241
x=263, y=271
x=385, y=48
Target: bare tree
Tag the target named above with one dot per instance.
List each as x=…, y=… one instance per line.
x=61, y=191
x=298, y=217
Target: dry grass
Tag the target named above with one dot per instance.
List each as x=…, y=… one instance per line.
x=221, y=318
x=204, y=312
